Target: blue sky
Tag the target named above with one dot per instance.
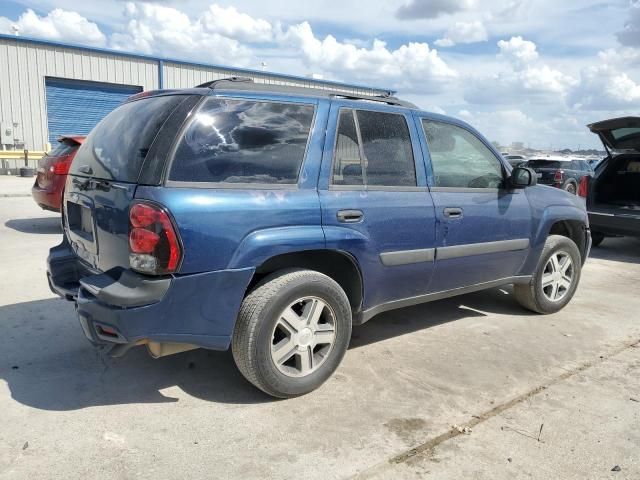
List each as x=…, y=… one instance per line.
x=535, y=71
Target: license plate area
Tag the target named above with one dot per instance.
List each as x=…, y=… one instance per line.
x=80, y=221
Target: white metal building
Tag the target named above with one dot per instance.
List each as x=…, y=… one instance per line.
x=48, y=88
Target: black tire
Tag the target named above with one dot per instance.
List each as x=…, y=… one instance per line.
x=596, y=238
x=531, y=295
x=259, y=313
x=571, y=187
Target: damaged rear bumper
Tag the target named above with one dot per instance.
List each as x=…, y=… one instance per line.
x=122, y=307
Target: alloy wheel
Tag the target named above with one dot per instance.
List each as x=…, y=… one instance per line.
x=303, y=337
x=557, y=276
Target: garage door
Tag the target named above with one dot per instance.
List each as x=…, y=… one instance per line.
x=77, y=106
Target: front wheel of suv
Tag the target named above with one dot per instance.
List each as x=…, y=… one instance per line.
x=556, y=278
x=292, y=332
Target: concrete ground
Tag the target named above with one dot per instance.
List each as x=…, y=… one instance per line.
x=13, y=186
x=530, y=396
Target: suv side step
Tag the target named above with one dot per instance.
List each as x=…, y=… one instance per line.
x=367, y=315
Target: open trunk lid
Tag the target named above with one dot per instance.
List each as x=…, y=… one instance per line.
x=619, y=134
x=105, y=173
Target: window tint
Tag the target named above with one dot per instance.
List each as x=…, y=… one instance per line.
x=387, y=149
x=238, y=141
x=553, y=164
x=459, y=158
x=386, y=145
x=116, y=148
x=585, y=165
x=347, y=164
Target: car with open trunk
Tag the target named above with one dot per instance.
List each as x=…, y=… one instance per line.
x=613, y=194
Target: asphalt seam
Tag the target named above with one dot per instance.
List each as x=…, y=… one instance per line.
x=478, y=419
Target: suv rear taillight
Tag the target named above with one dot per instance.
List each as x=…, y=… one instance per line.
x=583, y=188
x=154, y=247
x=559, y=176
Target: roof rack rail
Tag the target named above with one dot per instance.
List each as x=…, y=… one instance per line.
x=249, y=84
x=388, y=99
x=212, y=84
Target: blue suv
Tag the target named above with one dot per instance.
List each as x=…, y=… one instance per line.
x=271, y=219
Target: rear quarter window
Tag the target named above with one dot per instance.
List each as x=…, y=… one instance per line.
x=116, y=148
x=243, y=141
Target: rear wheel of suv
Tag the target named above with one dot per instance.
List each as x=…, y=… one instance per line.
x=292, y=332
x=555, y=279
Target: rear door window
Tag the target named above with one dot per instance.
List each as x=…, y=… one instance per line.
x=116, y=148
x=243, y=141
x=373, y=149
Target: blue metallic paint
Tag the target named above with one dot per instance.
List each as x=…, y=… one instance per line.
x=199, y=309
x=228, y=232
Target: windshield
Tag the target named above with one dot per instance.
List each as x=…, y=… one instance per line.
x=116, y=148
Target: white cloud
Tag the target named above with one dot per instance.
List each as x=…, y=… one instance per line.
x=521, y=79
x=415, y=9
x=413, y=65
x=463, y=32
x=231, y=23
x=155, y=28
x=604, y=87
x=59, y=25
x=518, y=50
x=620, y=57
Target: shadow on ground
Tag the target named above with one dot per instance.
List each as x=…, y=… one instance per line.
x=618, y=249
x=48, y=364
x=45, y=225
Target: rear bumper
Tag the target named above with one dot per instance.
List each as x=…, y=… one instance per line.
x=122, y=307
x=613, y=224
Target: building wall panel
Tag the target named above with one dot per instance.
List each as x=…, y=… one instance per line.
x=24, y=65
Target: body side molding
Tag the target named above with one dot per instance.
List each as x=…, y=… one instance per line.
x=404, y=257
x=367, y=315
x=456, y=251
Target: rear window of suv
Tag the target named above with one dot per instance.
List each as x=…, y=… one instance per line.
x=543, y=164
x=116, y=148
x=243, y=141
x=64, y=147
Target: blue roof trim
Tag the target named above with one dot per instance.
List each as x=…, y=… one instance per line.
x=109, y=51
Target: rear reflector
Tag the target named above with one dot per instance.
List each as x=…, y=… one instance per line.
x=583, y=188
x=154, y=247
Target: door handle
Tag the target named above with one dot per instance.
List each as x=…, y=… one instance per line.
x=453, y=212
x=350, y=216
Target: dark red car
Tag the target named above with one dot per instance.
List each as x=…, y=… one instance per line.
x=52, y=172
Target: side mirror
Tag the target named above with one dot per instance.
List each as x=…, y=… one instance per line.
x=522, y=177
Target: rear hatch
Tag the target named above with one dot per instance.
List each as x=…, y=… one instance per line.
x=105, y=172
x=619, y=134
